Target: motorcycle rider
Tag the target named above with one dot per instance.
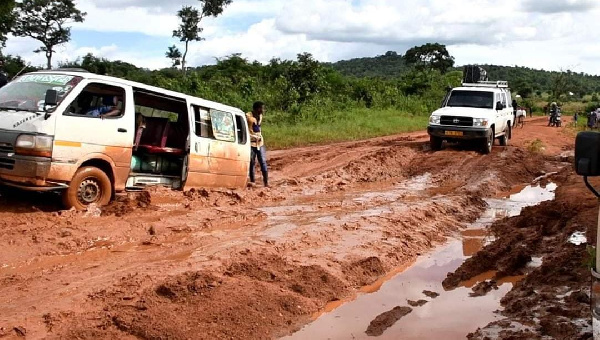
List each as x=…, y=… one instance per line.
x=554, y=110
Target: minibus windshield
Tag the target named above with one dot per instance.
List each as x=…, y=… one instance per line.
x=28, y=92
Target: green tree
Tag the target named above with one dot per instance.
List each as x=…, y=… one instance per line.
x=560, y=84
x=307, y=77
x=14, y=66
x=47, y=21
x=523, y=88
x=174, y=54
x=433, y=56
x=188, y=31
x=7, y=20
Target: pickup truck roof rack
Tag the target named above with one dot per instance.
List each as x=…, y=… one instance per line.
x=498, y=84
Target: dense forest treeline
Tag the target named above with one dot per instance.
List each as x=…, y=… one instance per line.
x=295, y=90
x=392, y=65
x=306, y=89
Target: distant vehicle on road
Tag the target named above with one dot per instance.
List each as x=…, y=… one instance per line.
x=475, y=112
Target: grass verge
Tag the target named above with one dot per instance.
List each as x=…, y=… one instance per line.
x=353, y=124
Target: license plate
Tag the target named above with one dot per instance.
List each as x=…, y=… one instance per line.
x=454, y=133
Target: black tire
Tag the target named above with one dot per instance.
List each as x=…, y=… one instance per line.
x=89, y=185
x=435, y=143
x=487, y=144
x=504, y=139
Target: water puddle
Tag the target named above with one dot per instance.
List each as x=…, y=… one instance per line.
x=344, y=208
x=451, y=315
x=578, y=238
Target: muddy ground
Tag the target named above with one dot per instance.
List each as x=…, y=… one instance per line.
x=259, y=263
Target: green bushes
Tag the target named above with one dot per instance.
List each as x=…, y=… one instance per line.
x=308, y=102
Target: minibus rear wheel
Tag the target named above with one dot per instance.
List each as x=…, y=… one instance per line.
x=89, y=185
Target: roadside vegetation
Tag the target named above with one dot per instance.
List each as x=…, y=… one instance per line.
x=308, y=101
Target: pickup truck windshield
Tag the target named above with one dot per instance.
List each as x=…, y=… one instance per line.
x=477, y=99
x=28, y=92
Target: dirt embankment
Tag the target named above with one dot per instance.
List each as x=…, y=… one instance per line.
x=254, y=263
x=553, y=299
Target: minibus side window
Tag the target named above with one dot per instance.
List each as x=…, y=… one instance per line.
x=223, y=125
x=240, y=122
x=98, y=100
x=202, y=122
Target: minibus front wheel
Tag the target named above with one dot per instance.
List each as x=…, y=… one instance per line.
x=89, y=185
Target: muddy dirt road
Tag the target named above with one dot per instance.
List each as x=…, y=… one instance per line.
x=261, y=263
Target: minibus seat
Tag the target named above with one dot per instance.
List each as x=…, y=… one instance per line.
x=153, y=139
x=140, y=125
x=178, y=136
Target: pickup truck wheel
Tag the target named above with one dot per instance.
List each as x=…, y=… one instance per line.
x=488, y=144
x=435, y=143
x=89, y=185
x=504, y=138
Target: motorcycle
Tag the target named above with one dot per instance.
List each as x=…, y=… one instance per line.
x=555, y=120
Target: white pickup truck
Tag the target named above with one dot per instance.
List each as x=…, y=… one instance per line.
x=478, y=112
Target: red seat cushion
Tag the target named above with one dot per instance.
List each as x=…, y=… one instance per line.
x=160, y=150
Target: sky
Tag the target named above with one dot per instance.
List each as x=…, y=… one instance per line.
x=542, y=34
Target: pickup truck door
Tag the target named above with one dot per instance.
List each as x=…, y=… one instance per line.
x=507, y=111
x=498, y=121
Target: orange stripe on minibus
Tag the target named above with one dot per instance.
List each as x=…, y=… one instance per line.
x=67, y=143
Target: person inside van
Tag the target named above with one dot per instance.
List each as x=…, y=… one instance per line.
x=258, y=149
x=107, y=109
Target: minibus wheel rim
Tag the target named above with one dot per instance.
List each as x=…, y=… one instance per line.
x=89, y=191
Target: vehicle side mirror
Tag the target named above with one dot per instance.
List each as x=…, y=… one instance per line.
x=51, y=98
x=587, y=154
x=499, y=106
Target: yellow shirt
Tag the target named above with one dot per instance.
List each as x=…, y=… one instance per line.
x=256, y=138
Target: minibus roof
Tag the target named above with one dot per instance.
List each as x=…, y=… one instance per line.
x=191, y=99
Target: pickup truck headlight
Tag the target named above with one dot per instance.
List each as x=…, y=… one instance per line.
x=480, y=122
x=33, y=145
x=434, y=120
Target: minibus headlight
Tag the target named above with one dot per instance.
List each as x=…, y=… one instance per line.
x=33, y=145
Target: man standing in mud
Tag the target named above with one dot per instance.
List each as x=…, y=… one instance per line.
x=257, y=142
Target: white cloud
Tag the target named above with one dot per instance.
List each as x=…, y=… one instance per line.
x=126, y=19
x=261, y=42
x=24, y=47
x=559, y=6
x=158, y=17
x=544, y=33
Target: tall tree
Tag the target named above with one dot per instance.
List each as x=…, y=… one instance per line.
x=433, y=56
x=47, y=21
x=7, y=20
x=174, y=54
x=189, y=29
x=561, y=82
x=523, y=88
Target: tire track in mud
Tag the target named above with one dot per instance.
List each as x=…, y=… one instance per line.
x=218, y=264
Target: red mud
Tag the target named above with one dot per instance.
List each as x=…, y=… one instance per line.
x=258, y=263
x=387, y=320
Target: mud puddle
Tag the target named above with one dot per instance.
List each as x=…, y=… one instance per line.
x=452, y=314
x=345, y=207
